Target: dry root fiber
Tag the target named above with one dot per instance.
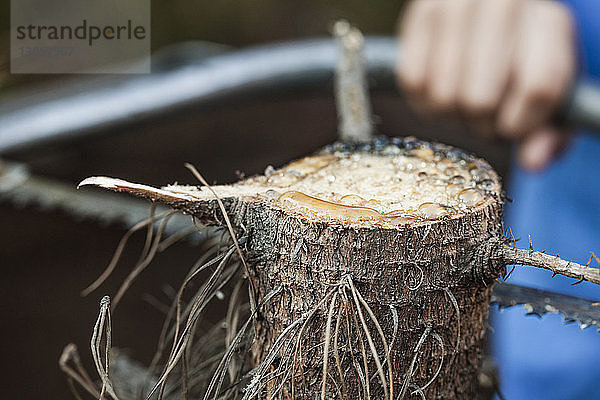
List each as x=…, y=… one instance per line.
x=369, y=270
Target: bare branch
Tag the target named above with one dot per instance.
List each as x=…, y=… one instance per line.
x=557, y=265
x=351, y=89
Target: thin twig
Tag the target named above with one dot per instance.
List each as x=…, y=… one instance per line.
x=337, y=353
x=79, y=374
x=149, y=234
x=351, y=89
x=103, y=324
x=557, y=265
x=326, y=347
x=458, y=324
x=365, y=376
x=117, y=254
x=167, y=333
x=357, y=296
x=219, y=373
x=140, y=266
x=411, y=368
x=439, y=368
x=231, y=232
x=355, y=364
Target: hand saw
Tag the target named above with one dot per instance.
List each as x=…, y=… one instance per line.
x=20, y=188
x=540, y=302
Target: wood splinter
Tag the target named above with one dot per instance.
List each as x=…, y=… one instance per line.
x=411, y=229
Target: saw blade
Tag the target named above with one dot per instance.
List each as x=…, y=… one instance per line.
x=539, y=302
x=20, y=188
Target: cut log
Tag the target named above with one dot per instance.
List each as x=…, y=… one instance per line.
x=383, y=254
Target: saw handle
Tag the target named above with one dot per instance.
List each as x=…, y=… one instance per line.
x=28, y=120
x=581, y=108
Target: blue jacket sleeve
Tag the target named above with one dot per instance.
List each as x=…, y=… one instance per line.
x=587, y=19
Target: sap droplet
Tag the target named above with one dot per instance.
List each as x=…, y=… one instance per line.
x=269, y=171
x=411, y=142
x=432, y=210
x=458, y=180
x=451, y=171
x=326, y=209
x=424, y=153
x=422, y=174
x=365, y=147
x=282, y=180
x=352, y=200
x=381, y=142
x=479, y=174
x=391, y=150
x=272, y=194
x=373, y=203
x=456, y=155
x=308, y=165
x=486, y=184
x=445, y=163
x=398, y=217
x=343, y=147
x=454, y=189
x=470, y=197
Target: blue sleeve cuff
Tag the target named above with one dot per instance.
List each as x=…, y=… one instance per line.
x=586, y=14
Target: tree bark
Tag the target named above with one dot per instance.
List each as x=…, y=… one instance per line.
x=416, y=270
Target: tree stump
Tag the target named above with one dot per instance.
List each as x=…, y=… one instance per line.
x=371, y=267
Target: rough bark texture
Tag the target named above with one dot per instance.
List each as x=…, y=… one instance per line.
x=412, y=277
x=386, y=267
x=414, y=269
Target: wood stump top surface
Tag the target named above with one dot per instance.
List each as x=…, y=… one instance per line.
x=386, y=184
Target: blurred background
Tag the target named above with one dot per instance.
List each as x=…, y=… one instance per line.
x=47, y=256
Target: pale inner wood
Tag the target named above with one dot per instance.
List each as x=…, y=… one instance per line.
x=396, y=188
x=417, y=185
